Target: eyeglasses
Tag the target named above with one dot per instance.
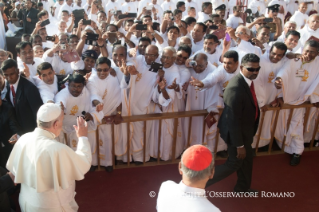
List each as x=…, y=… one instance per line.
x=150, y=55
x=252, y=69
x=168, y=58
x=104, y=70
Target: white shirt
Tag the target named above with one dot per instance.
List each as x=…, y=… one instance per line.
x=173, y=197
x=246, y=79
x=299, y=18
x=234, y=21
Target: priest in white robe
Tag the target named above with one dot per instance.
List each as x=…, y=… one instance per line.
x=298, y=81
x=104, y=88
x=311, y=29
x=47, y=169
x=300, y=16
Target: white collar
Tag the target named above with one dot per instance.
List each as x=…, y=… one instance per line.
x=246, y=79
x=191, y=191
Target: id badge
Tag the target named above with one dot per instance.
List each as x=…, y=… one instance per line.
x=300, y=73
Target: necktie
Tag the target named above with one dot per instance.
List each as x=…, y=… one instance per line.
x=13, y=95
x=252, y=90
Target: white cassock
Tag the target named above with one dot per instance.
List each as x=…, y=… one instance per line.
x=196, y=46
x=202, y=17
x=312, y=6
x=130, y=7
x=181, y=102
x=212, y=58
x=244, y=48
x=169, y=105
x=59, y=66
x=295, y=91
x=257, y=5
x=306, y=33
x=280, y=15
x=173, y=197
x=32, y=67
x=108, y=92
x=189, y=5
x=201, y=100
x=112, y=6
x=292, y=6
x=136, y=98
x=300, y=19
x=266, y=93
x=47, y=92
x=57, y=9
x=159, y=12
x=234, y=21
x=168, y=6
x=73, y=107
x=47, y=171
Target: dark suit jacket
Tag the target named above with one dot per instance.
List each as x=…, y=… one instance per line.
x=237, y=124
x=28, y=102
x=5, y=184
x=23, y=14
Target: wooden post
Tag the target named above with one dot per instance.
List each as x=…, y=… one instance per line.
x=159, y=141
x=260, y=129
x=273, y=129
x=288, y=124
x=113, y=145
x=217, y=134
x=128, y=144
x=98, y=147
x=174, y=138
x=315, y=130
x=189, y=132
x=306, y=119
x=144, y=142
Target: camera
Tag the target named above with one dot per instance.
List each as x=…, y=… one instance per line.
x=155, y=67
x=63, y=46
x=193, y=63
x=172, y=18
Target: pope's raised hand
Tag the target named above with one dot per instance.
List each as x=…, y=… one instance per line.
x=196, y=82
x=81, y=128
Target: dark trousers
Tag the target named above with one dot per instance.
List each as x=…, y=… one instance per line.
x=242, y=166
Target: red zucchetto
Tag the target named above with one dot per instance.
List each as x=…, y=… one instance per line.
x=197, y=157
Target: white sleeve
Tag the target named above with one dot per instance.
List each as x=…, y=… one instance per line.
x=84, y=150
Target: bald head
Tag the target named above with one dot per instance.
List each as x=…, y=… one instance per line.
x=151, y=54
x=303, y=7
x=185, y=41
x=201, y=56
x=201, y=60
x=152, y=48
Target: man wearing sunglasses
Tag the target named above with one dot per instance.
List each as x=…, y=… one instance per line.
x=238, y=124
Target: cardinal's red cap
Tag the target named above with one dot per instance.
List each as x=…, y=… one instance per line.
x=197, y=158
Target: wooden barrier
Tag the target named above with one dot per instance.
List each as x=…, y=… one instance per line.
x=176, y=115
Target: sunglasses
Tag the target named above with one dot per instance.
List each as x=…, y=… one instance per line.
x=104, y=70
x=252, y=69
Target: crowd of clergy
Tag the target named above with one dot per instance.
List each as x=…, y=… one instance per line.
x=173, y=56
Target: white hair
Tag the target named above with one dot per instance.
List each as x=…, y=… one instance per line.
x=172, y=49
x=313, y=15
x=242, y=27
x=290, y=22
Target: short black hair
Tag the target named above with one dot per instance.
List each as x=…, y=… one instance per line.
x=41, y=14
x=211, y=36
x=34, y=37
x=313, y=44
x=9, y=63
x=103, y=60
x=215, y=16
x=179, y=4
x=294, y=33
x=252, y=58
x=72, y=36
x=172, y=27
x=116, y=27
x=177, y=11
x=147, y=16
x=203, y=25
x=65, y=11
x=231, y=54
x=24, y=35
x=279, y=45
x=186, y=49
x=167, y=11
x=205, y=5
x=40, y=4
x=262, y=27
x=75, y=77
x=145, y=39
x=44, y=66
x=22, y=45
x=101, y=11
x=190, y=20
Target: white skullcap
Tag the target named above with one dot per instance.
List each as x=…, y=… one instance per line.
x=48, y=112
x=17, y=3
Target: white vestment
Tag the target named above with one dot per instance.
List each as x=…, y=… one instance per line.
x=168, y=6
x=295, y=91
x=299, y=18
x=212, y=58
x=306, y=33
x=234, y=21
x=244, y=48
x=74, y=107
x=47, y=171
x=32, y=68
x=257, y=5
x=108, y=92
x=47, y=91
x=59, y=66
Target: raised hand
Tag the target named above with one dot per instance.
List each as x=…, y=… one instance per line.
x=173, y=85
x=99, y=107
x=196, y=82
x=26, y=70
x=132, y=70
x=278, y=83
x=62, y=106
x=81, y=128
x=87, y=76
x=162, y=84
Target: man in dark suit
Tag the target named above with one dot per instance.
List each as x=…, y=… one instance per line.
x=238, y=125
x=28, y=17
x=23, y=96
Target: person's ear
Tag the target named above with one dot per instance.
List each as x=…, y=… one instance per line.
x=180, y=168
x=212, y=174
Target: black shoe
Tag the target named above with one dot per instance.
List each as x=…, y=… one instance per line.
x=93, y=168
x=138, y=163
x=222, y=154
x=153, y=159
x=109, y=169
x=295, y=160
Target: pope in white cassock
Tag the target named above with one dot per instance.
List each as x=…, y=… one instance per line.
x=47, y=169
x=105, y=88
x=270, y=62
x=298, y=81
x=211, y=85
x=167, y=95
x=76, y=100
